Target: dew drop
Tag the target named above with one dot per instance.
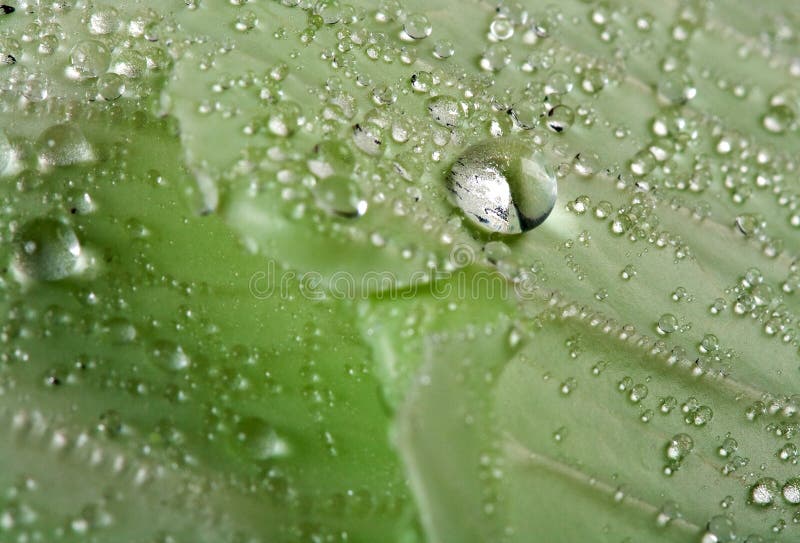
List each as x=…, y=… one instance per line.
x=417, y=26
x=171, y=356
x=368, y=138
x=778, y=118
x=502, y=186
x=791, y=491
x=445, y=110
x=260, y=439
x=560, y=118
x=667, y=324
x=338, y=195
x=63, y=145
x=721, y=529
x=679, y=447
x=495, y=57
x=764, y=492
x=110, y=86
x=47, y=250
x=443, y=49
x=89, y=58
x=501, y=29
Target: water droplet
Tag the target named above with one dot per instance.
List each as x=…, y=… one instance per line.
x=260, y=439
x=728, y=447
x=560, y=118
x=721, y=529
x=446, y=111
x=339, y=195
x=594, y=80
x=89, y=58
x=502, y=186
x=495, y=57
x=417, y=26
x=171, y=356
x=676, y=88
x=778, y=118
x=764, y=492
x=443, y=49
x=668, y=512
x=501, y=29
x=331, y=157
x=7, y=155
x=104, y=21
x=284, y=118
x=679, y=447
x=329, y=10
x=47, y=250
x=526, y=114
x=568, y=386
x=638, y=393
x=667, y=324
x=791, y=490
x=63, y=145
x=110, y=86
x=368, y=138
x=129, y=63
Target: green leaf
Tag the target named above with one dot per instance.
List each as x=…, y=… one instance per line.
x=239, y=300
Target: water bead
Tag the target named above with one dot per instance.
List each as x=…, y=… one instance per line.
x=445, y=110
x=47, y=250
x=443, y=49
x=560, y=118
x=495, y=58
x=90, y=58
x=679, y=447
x=791, y=491
x=338, y=195
x=417, y=26
x=501, y=29
x=110, y=86
x=778, y=118
x=261, y=440
x=503, y=186
x=667, y=324
x=764, y=492
x=63, y=145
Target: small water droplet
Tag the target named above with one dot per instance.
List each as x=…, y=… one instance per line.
x=679, y=447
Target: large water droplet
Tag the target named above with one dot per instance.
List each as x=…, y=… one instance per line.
x=63, y=145
x=764, y=492
x=89, y=58
x=417, y=26
x=47, y=250
x=503, y=186
x=260, y=439
x=339, y=195
x=791, y=491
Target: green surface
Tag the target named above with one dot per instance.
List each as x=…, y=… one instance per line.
x=238, y=305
